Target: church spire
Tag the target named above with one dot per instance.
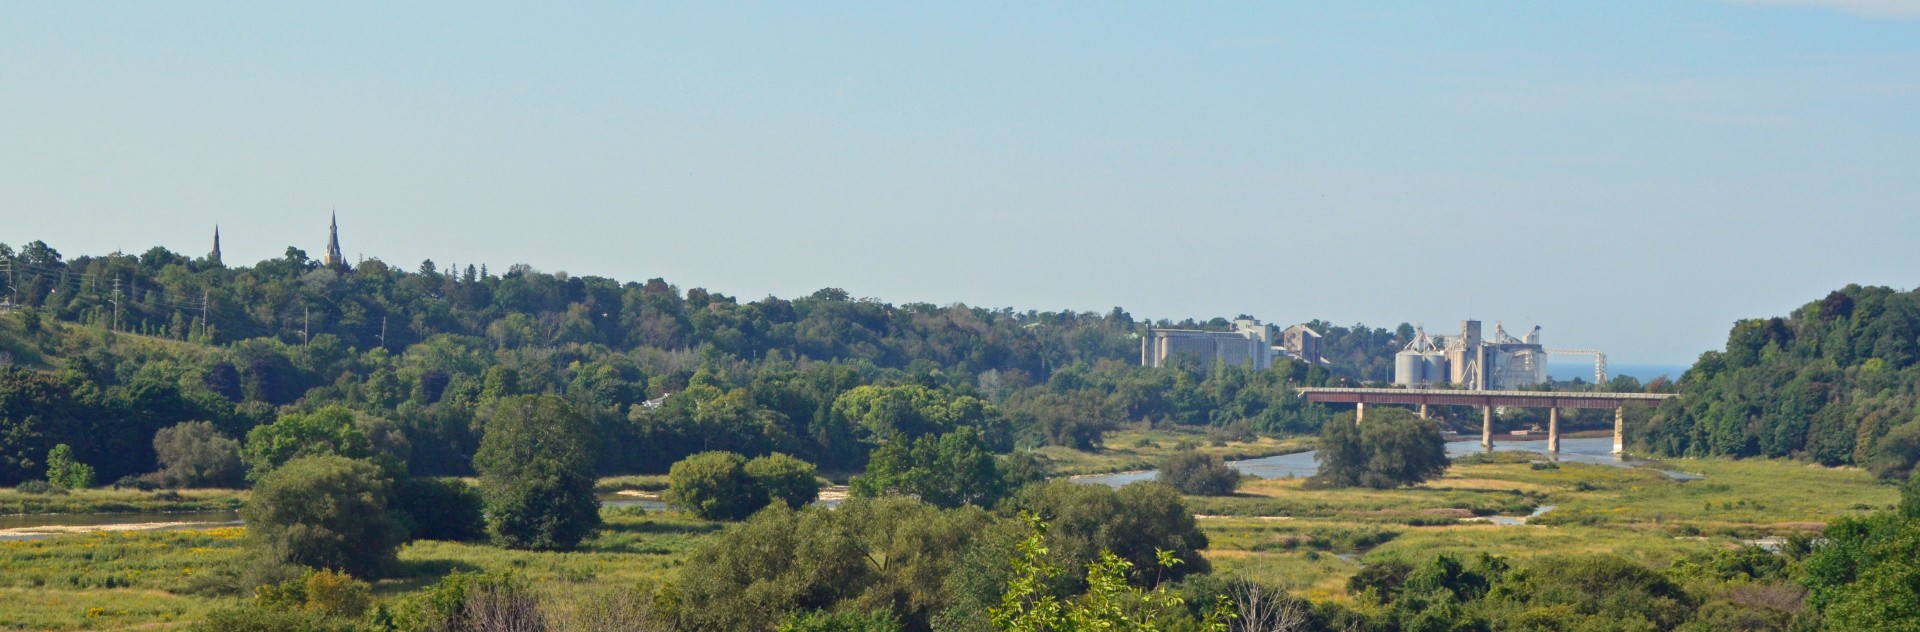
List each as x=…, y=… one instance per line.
x=334, y=259
x=214, y=257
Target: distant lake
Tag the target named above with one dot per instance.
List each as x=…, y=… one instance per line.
x=1643, y=372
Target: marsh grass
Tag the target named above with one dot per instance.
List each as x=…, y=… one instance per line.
x=1132, y=450
x=113, y=580
x=1637, y=513
x=90, y=501
x=1290, y=497
x=117, y=580
x=632, y=548
x=1750, y=496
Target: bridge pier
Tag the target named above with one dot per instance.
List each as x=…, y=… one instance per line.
x=1359, y=413
x=1486, y=428
x=1487, y=400
x=1553, y=431
x=1619, y=430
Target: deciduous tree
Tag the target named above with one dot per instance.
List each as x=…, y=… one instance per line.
x=536, y=473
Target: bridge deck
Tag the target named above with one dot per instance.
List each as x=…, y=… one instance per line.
x=1440, y=397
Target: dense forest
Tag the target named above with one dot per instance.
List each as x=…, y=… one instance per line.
x=1836, y=382
x=666, y=372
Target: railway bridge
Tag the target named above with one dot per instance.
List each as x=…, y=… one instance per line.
x=1553, y=401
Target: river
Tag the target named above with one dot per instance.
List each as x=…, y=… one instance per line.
x=1300, y=464
x=1598, y=450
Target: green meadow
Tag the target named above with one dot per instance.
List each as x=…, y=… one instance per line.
x=1278, y=531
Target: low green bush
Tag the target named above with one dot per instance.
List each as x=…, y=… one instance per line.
x=39, y=487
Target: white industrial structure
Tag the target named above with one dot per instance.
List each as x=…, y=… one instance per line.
x=1599, y=361
x=1250, y=344
x=1502, y=362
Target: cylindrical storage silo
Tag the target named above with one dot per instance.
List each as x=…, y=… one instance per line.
x=1435, y=363
x=1408, y=370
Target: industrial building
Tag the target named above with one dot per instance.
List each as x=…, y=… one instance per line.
x=1250, y=344
x=1302, y=343
x=1502, y=363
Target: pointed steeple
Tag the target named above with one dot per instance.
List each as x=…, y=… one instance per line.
x=334, y=259
x=214, y=257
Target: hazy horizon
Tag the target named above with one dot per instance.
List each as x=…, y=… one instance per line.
x=1631, y=176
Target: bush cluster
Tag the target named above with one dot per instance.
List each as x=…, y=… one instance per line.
x=727, y=486
x=1199, y=474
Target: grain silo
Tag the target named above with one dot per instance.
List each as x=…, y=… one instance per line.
x=1420, y=364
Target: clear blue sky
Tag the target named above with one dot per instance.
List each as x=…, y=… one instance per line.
x=1632, y=176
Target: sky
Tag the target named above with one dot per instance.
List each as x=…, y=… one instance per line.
x=1630, y=176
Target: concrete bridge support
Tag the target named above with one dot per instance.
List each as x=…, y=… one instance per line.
x=1359, y=413
x=1486, y=428
x=1619, y=430
x=1423, y=411
x=1553, y=431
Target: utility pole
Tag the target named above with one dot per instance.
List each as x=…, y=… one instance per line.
x=206, y=296
x=383, y=332
x=116, y=305
x=306, y=321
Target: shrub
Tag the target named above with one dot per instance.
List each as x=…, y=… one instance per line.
x=39, y=487
x=320, y=591
x=253, y=618
x=780, y=560
x=715, y=486
x=536, y=474
x=1894, y=455
x=843, y=621
x=1240, y=431
x=1135, y=522
x=65, y=472
x=193, y=454
x=471, y=601
x=134, y=483
x=785, y=479
x=436, y=509
x=1199, y=474
x=326, y=512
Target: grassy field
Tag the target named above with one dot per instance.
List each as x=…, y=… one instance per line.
x=113, y=580
x=1277, y=531
x=121, y=501
x=1311, y=541
x=1130, y=450
x=633, y=548
x=117, y=580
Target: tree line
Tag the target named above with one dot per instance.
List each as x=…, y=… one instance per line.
x=1837, y=382
x=661, y=373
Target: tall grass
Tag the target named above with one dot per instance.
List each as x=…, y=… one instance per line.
x=1132, y=450
x=121, y=501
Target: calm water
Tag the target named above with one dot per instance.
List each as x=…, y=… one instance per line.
x=1594, y=450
